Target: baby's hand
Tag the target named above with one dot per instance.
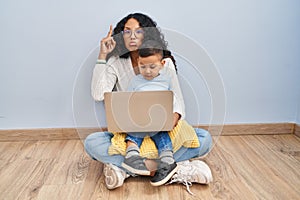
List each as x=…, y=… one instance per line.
x=175, y=119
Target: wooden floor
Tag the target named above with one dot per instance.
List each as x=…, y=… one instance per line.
x=244, y=167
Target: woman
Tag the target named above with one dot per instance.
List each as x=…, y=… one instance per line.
x=116, y=65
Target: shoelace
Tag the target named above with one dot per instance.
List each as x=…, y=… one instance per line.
x=183, y=181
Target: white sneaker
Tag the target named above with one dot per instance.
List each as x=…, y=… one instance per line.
x=189, y=172
x=114, y=176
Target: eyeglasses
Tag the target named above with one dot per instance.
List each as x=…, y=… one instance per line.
x=137, y=33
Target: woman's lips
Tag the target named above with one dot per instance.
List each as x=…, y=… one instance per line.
x=132, y=43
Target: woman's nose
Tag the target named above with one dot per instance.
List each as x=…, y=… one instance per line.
x=132, y=36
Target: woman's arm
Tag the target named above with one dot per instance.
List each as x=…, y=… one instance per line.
x=107, y=45
x=103, y=80
x=179, y=106
x=104, y=77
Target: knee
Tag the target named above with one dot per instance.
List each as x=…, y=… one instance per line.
x=204, y=137
x=88, y=140
x=96, y=144
x=96, y=139
x=202, y=132
x=88, y=143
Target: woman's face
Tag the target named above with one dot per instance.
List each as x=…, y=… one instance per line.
x=133, y=35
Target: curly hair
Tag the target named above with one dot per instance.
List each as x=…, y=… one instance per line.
x=151, y=32
x=150, y=48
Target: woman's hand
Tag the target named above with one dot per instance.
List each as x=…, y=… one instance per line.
x=107, y=45
x=176, y=119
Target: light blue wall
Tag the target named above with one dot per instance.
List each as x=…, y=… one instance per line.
x=48, y=49
x=298, y=114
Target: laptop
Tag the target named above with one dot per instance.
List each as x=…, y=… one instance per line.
x=141, y=111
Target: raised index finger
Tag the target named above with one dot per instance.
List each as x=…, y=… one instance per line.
x=110, y=31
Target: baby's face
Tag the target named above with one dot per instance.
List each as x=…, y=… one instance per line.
x=150, y=66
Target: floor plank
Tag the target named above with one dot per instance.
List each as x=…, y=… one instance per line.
x=255, y=172
x=243, y=167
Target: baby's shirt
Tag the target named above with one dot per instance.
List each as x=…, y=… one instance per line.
x=139, y=83
x=161, y=82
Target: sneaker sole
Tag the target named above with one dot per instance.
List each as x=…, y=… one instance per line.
x=109, y=172
x=165, y=180
x=136, y=171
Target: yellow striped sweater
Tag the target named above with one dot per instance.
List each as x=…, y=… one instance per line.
x=182, y=135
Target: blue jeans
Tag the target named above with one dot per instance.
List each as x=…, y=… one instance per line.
x=96, y=145
x=161, y=139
